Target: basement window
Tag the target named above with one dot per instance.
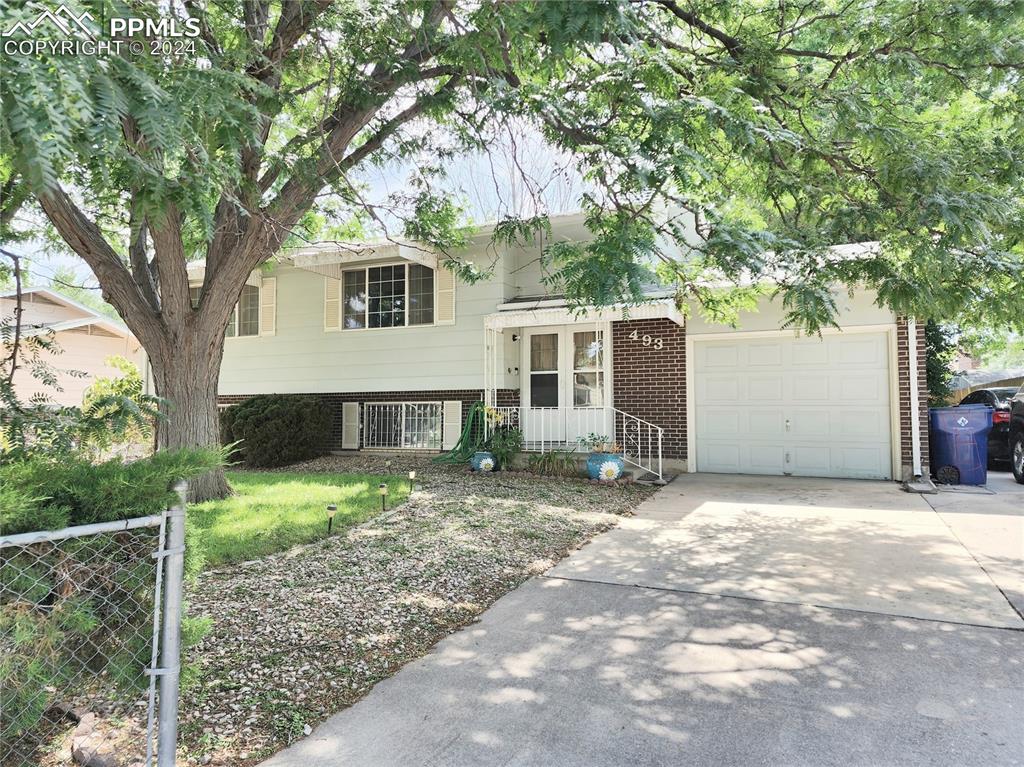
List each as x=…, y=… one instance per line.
x=412, y=425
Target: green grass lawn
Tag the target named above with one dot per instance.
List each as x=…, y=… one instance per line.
x=272, y=511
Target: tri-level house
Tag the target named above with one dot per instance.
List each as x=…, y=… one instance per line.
x=400, y=349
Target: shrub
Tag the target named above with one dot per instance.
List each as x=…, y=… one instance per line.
x=506, y=443
x=76, y=616
x=276, y=429
x=45, y=493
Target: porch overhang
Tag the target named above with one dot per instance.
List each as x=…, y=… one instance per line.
x=331, y=258
x=512, y=317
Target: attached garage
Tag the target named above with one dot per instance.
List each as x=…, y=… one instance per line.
x=775, y=403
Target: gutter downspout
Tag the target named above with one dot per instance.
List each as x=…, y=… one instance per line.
x=915, y=414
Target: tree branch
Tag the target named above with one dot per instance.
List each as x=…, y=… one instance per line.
x=119, y=289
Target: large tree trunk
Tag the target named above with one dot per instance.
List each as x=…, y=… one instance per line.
x=186, y=374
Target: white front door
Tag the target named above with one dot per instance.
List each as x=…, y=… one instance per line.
x=806, y=406
x=565, y=386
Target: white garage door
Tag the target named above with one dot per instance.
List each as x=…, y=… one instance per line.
x=803, y=406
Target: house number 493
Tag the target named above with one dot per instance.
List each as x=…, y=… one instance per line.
x=647, y=340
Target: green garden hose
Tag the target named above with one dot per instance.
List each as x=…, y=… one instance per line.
x=472, y=438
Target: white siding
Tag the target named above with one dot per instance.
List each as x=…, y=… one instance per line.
x=859, y=310
x=302, y=357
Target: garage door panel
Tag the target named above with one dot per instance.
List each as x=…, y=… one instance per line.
x=833, y=391
x=765, y=423
x=860, y=424
x=720, y=355
x=812, y=387
x=809, y=351
x=864, y=462
x=721, y=457
x=766, y=458
x=765, y=388
x=764, y=354
x=719, y=389
x=810, y=461
x=862, y=352
x=811, y=423
x=863, y=387
x=724, y=422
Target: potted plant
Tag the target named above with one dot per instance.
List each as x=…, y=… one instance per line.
x=605, y=460
x=505, y=444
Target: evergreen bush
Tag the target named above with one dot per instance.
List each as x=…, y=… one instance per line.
x=276, y=429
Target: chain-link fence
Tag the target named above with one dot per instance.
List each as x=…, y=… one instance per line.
x=80, y=628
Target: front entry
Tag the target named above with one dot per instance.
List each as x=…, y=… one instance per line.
x=565, y=384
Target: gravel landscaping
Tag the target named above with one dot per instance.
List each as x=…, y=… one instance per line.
x=300, y=635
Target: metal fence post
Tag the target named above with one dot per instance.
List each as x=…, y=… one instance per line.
x=170, y=659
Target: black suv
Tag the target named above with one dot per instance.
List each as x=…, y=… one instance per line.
x=1017, y=435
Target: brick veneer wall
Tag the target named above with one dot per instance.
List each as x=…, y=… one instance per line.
x=903, y=368
x=335, y=400
x=650, y=383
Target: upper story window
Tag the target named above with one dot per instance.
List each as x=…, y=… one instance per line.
x=390, y=296
x=245, y=319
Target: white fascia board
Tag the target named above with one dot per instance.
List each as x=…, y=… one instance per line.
x=563, y=315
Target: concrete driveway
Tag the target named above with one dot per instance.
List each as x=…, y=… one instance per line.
x=734, y=621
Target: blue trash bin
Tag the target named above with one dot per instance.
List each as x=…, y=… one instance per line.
x=959, y=443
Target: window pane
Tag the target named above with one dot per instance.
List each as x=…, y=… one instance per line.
x=586, y=351
x=544, y=352
x=232, y=323
x=544, y=390
x=193, y=295
x=354, y=300
x=587, y=389
x=387, y=296
x=249, y=311
x=421, y=295
x=423, y=425
x=383, y=425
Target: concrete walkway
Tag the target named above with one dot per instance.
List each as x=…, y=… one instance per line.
x=735, y=620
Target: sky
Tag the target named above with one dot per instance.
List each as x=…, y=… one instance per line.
x=520, y=175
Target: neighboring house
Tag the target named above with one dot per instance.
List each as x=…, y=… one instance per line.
x=85, y=340
x=400, y=349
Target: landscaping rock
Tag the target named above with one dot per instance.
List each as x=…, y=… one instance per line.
x=299, y=635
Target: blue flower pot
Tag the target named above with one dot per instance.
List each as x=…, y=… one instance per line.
x=607, y=467
x=483, y=461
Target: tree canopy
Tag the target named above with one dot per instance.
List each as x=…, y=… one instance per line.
x=783, y=128
x=753, y=133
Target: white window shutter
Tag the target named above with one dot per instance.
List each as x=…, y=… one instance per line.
x=452, y=427
x=444, y=311
x=268, y=306
x=350, y=426
x=332, y=304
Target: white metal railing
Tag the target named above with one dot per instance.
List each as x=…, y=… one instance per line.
x=560, y=428
x=408, y=425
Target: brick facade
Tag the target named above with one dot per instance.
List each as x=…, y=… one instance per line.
x=903, y=368
x=650, y=382
x=335, y=400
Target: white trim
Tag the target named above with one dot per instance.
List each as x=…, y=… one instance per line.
x=547, y=303
x=565, y=316
x=894, y=401
x=915, y=416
